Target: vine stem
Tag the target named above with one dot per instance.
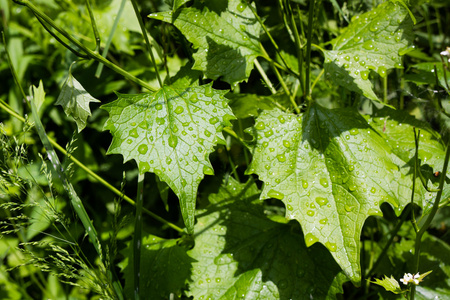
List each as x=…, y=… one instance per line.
x=137, y=238
x=92, y=54
x=429, y=218
x=308, y=49
x=147, y=42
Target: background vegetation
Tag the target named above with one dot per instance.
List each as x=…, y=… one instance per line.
x=315, y=161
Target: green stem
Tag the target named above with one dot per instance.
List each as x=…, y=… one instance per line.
x=147, y=42
x=429, y=218
x=89, y=52
x=308, y=49
x=137, y=238
x=264, y=76
x=298, y=45
x=94, y=25
x=385, y=88
x=98, y=72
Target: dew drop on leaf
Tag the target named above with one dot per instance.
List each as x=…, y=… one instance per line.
x=321, y=201
x=304, y=184
x=143, y=148
x=287, y=144
x=213, y=120
x=168, y=160
x=179, y=109
x=144, y=167
x=289, y=207
x=365, y=75
x=173, y=141
x=158, y=106
x=281, y=119
x=324, y=182
x=268, y=133
x=134, y=133
x=310, y=239
x=382, y=71
x=323, y=221
x=281, y=157
x=208, y=170
x=160, y=121
x=260, y=126
x=241, y=6
x=275, y=194
x=331, y=246
x=373, y=190
x=129, y=141
x=310, y=213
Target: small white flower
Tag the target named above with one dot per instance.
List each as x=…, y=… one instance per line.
x=409, y=278
x=406, y=278
x=445, y=53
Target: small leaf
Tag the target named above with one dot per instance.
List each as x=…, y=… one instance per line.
x=240, y=254
x=426, y=75
x=75, y=101
x=390, y=284
x=373, y=41
x=227, y=43
x=171, y=133
x=39, y=95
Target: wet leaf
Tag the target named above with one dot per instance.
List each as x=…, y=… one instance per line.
x=171, y=133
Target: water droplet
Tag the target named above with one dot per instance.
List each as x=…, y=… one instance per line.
x=160, y=121
x=143, y=149
x=268, y=133
x=352, y=187
x=382, y=71
x=331, y=246
x=218, y=279
x=356, y=58
x=310, y=239
x=304, y=184
x=134, y=133
x=144, y=167
x=241, y=6
x=158, y=106
x=351, y=167
x=213, y=120
x=179, y=109
x=193, y=98
x=173, y=141
x=208, y=170
x=289, y=207
x=281, y=157
x=324, y=182
x=281, y=119
x=323, y=221
x=310, y=213
x=368, y=45
x=287, y=144
x=260, y=126
x=207, y=133
x=275, y=194
x=168, y=160
x=347, y=58
x=365, y=75
x=321, y=201
x=129, y=141
x=373, y=190
x=183, y=182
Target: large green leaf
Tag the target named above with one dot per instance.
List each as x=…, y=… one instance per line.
x=171, y=133
x=226, y=38
x=241, y=254
x=332, y=170
x=372, y=41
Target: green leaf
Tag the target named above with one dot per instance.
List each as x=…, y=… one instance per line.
x=39, y=95
x=165, y=270
x=332, y=171
x=396, y=128
x=75, y=101
x=240, y=253
x=426, y=74
x=390, y=284
x=227, y=41
x=171, y=133
x=373, y=41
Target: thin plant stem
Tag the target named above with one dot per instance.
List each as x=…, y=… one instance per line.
x=147, y=42
x=307, y=92
x=98, y=72
x=264, y=76
x=429, y=218
x=385, y=88
x=89, y=52
x=298, y=45
x=137, y=238
x=94, y=25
